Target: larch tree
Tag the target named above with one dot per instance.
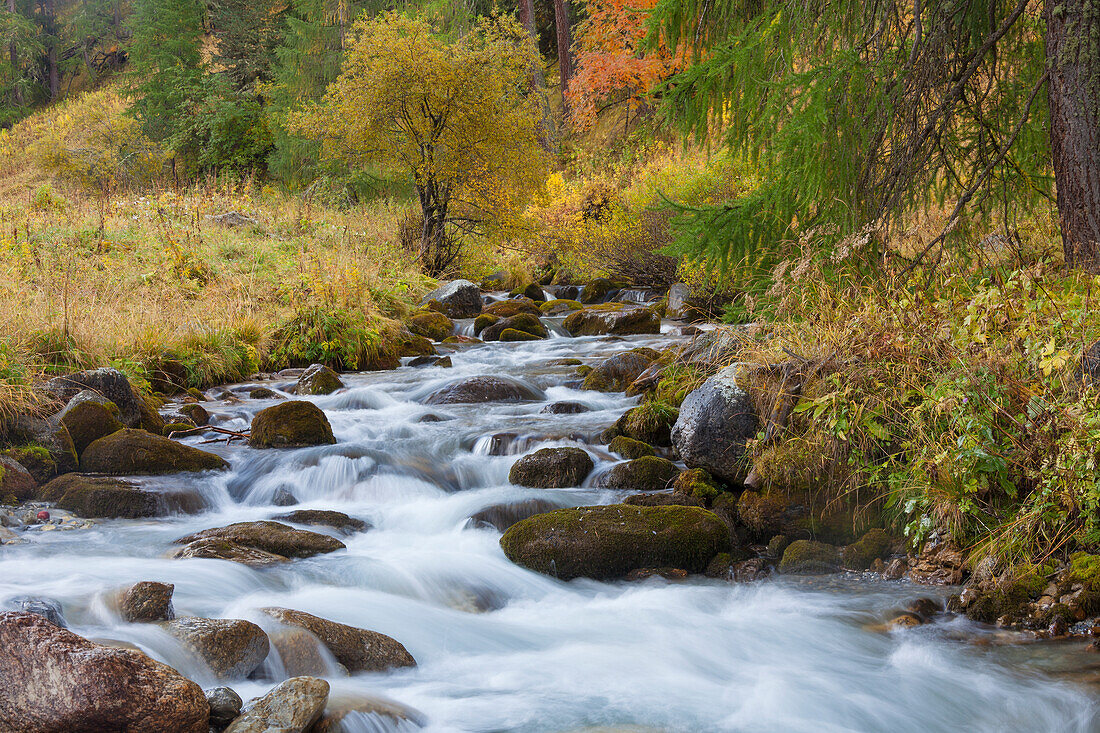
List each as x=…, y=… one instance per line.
x=857, y=114
x=457, y=117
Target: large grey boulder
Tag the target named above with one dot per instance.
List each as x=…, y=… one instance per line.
x=109, y=383
x=715, y=422
x=459, y=298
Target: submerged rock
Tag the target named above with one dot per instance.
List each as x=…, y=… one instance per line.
x=107, y=497
x=503, y=516
x=609, y=541
x=53, y=680
x=325, y=518
x=291, y=424
x=302, y=653
x=483, y=389
x=318, y=379
x=292, y=707
x=271, y=537
x=715, y=422
x=357, y=649
x=551, y=468
x=232, y=648
x=349, y=712
x=146, y=602
x=131, y=451
x=616, y=373
x=459, y=298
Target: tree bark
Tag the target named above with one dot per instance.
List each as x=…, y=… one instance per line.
x=50, y=11
x=562, y=23
x=1073, y=61
x=15, y=60
x=547, y=133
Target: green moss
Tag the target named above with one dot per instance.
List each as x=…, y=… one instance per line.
x=37, y=459
x=484, y=321
x=198, y=395
x=511, y=334
x=806, y=557
x=129, y=451
x=630, y=448
x=289, y=424
x=696, y=482
x=874, y=545
x=560, y=305
x=177, y=427
x=509, y=308
x=430, y=324
x=648, y=473
x=1085, y=569
x=596, y=290
x=650, y=422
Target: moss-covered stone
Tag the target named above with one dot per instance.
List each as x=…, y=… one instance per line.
x=649, y=422
x=610, y=541
x=273, y=537
x=405, y=343
x=696, y=482
x=15, y=480
x=522, y=322
x=596, y=290
x=764, y=515
x=513, y=307
x=88, y=417
x=648, y=473
x=630, y=448
x=318, y=379
x=1009, y=596
x=130, y=451
x=617, y=372
x=37, y=459
x=484, y=321
x=873, y=545
x=461, y=340
x=807, y=557
x=430, y=324
x=110, y=498
x=290, y=424
x=512, y=335
x=196, y=413
x=325, y=518
x=551, y=468
x=558, y=306
x=177, y=427
x=618, y=322
x=531, y=291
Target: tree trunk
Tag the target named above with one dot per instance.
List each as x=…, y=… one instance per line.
x=565, y=48
x=547, y=133
x=15, y=60
x=51, y=51
x=1073, y=60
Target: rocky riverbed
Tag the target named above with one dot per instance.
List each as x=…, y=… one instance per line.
x=489, y=537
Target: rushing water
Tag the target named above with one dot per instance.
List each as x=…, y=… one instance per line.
x=504, y=649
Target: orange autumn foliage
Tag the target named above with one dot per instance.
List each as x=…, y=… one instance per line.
x=612, y=65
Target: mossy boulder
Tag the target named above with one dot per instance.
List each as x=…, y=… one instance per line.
x=88, y=417
x=290, y=424
x=509, y=308
x=531, y=291
x=405, y=343
x=512, y=335
x=49, y=434
x=197, y=413
x=430, y=324
x=559, y=306
x=15, y=480
x=648, y=473
x=318, y=379
x=106, y=497
x=484, y=389
x=113, y=385
x=609, y=541
x=807, y=557
x=764, y=515
x=552, y=468
x=459, y=298
x=524, y=322
x=649, y=422
x=874, y=545
x=630, y=448
x=130, y=451
x=36, y=459
x=617, y=372
x=696, y=482
x=273, y=537
x=612, y=321
x=596, y=290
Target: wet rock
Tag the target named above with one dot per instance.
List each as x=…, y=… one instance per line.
x=558, y=306
x=645, y=424
x=325, y=518
x=225, y=706
x=50, y=434
x=551, y=468
x=564, y=408
x=302, y=653
x=615, y=321
x=648, y=473
x=131, y=451
x=531, y=291
x=483, y=389
x=15, y=480
x=663, y=499
x=292, y=707
x=940, y=564
x=874, y=545
x=503, y=516
x=217, y=549
x=112, y=384
x=357, y=649
x=610, y=541
x=53, y=680
x=318, y=379
x=349, y=712
x=525, y=322
x=483, y=322
x=764, y=515
x=261, y=393
x=666, y=573
x=777, y=545
x=290, y=424
x=648, y=381
x=616, y=373
x=146, y=602
x=284, y=497
x=715, y=422
x=750, y=571
x=405, y=343
x=88, y=417
x=630, y=448
x=459, y=298
x=925, y=608
x=47, y=608
x=509, y=308
x=37, y=460
x=113, y=498
x=807, y=557
x=596, y=290
x=430, y=325
x=271, y=537
x=232, y=648
x=904, y=621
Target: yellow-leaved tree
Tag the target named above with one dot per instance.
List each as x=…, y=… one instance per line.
x=456, y=116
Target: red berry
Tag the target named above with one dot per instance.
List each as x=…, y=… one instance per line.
x=43, y=516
